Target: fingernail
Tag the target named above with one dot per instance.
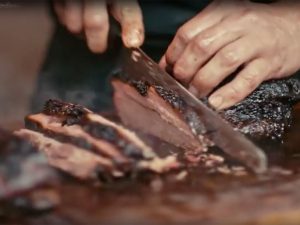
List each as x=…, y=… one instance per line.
x=134, y=39
x=133, y=42
x=216, y=101
x=193, y=90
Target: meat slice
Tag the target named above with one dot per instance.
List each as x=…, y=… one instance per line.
x=69, y=158
x=22, y=167
x=149, y=109
x=68, y=114
x=83, y=143
x=74, y=134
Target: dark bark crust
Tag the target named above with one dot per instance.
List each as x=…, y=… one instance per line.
x=72, y=113
x=267, y=112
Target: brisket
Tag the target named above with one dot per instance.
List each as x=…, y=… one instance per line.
x=22, y=167
x=151, y=109
x=87, y=145
x=68, y=158
x=265, y=114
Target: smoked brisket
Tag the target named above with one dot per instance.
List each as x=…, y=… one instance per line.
x=156, y=111
x=265, y=114
x=87, y=145
x=22, y=167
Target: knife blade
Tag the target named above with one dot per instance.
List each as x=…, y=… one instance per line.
x=136, y=64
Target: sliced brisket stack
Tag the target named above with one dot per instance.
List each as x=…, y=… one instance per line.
x=87, y=145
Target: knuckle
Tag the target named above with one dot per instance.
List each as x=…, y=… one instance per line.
x=96, y=21
x=249, y=81
x=183, y=35
x=172, y=53
x=277, y=65
x=170, y=57
x=234, y=92
x=228, y=58
x=73, y=25
x=250, y=16
x=202, y=46
x=179, y=72
x=277, y=70
x=202, y=82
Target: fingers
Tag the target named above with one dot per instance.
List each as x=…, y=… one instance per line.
x=209, y=17
x=223, y=64
x=202, y=48
x=129, y=15
x=183, y=36
x=73, y=16
x=96, y=23
x=60, y=10
x=165, y=66
x=92, y=17
x=163, y=63
x=244, y=84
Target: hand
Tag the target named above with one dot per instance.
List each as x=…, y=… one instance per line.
x=261, y=41
x=92, y=18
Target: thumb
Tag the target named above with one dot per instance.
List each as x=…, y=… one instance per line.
x=129, y=15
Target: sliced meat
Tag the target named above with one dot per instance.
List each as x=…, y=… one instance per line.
x=68, y=114
x=85, y=144
x=22, y=167
x=69, y=158
x=144, y=108
x=265, y=114
x=74, y=134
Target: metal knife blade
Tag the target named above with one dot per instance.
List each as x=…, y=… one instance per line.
x=138, y=65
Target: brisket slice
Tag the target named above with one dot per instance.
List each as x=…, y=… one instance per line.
x=148, y=109
x=68, y=158
x=85, y=144
x=98, y=127
x=75, y=135
x=22, y=167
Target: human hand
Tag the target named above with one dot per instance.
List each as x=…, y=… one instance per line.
x=261, y=41
x=92, y=18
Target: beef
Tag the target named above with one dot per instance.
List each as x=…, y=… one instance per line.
x=75, y=135
x=265, y=114
x=22, y=167
x=68, y=158
x=151, y=109
x=87, y=145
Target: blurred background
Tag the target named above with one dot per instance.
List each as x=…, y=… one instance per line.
x=25, y=30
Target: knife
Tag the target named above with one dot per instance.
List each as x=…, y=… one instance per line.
x=136, y=64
